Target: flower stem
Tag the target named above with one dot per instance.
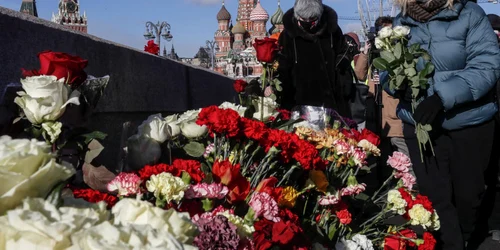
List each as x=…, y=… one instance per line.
x=383, y=185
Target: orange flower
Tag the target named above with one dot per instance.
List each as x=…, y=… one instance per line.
x=288, y=197
x=319, y=178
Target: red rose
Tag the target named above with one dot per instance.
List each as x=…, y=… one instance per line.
x=240, y=85
x=429, y=242
x=266, y=49
x=152, y=48
x=225, y=172
x=60, y=65
x=370, y=136
x=239, y=189
x=344, y=216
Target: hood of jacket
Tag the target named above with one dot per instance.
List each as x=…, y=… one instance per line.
x=327, y=24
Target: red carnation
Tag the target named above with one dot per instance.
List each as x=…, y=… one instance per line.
x=284, y=114
x=344, y=216
x=429, y=242
x=370, y=136
x=192, y=167
x=240, y=85
x=146, y=172
x=254, y=130
x=152, y=48
x=95, y=196
x=424, y=201
x=395, y=242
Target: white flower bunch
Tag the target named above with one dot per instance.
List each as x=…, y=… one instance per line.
x=166, y=187
x=387, y=34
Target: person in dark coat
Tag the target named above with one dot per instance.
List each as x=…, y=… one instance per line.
x=313, y=65
x=460, y=106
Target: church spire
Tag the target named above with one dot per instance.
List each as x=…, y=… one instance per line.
x=29, y=7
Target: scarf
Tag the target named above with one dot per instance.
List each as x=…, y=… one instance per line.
x=423, y=11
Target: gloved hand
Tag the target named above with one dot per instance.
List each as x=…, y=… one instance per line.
x=428, y=109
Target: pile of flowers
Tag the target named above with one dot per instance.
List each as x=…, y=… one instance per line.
x=221, y=177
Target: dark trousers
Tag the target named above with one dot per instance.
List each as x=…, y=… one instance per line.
x=453, y=179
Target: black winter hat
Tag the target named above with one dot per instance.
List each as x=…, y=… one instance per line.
x=495, y=21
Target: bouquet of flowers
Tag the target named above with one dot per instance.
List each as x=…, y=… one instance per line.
x=402, y=61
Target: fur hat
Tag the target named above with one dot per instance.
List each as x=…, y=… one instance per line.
x=495, y=21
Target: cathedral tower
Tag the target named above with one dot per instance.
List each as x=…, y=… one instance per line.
x=223, y=34
x=69, y=15
x=259, y=18
x=29, y=7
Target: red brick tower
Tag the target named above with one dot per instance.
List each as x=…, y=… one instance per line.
x=69, y=15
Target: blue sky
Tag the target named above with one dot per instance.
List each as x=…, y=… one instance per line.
x=193, y=21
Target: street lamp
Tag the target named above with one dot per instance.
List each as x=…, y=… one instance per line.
x=212, y=47
x=158, y=30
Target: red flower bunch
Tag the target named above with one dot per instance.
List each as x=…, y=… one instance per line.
x=285, y=115
x=192, y=167
x=226, y=173
x=60, y=65
x=152, y=47
x=364, y=135
x=420, y=199
x=266, y=49
x=220, y=121
x=268, y=186
x=94, y=196
x=396, y=242
x=285, y=234
x=240, y=85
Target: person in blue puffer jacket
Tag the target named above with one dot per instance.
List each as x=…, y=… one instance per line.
x=459, y=104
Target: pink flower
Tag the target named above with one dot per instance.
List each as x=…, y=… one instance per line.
x=126, y=184
x=358, y=156
x=353, y=189
x=210, y=215
x=204, y=190
x=399, y=161
x=264, y=205
x=407, y=178
x=329, y=200
x=268, y=91
x=209, y=150
x=341, y=147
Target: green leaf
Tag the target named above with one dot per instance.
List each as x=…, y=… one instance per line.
x=399, y=70
x=427, y=127
x=415, y=92
x=54, y=196
x=409, y=57
x=380, y=63
x=422, y=135
x=398, y=51
x=410, y=72
x=332, y=231
x=387, y=55
x=415, y=82
x=414, y=48
x=278, y=87
x=399, y=81
x=94, y=135
x=428, y=69
x=362, y=197
x=194, y=149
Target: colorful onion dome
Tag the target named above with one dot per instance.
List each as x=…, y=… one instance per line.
x=238, y=29
x=259, y=13
x=223, y=14
x=277, y=17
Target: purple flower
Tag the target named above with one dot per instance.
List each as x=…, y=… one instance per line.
x=216, y=233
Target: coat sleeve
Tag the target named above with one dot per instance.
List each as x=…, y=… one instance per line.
x=286, y=61
x=483, y=65
x=361, y=67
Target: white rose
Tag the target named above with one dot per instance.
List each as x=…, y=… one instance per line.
x=401, y=31
x=192, y=130
x=173, y=122
x=37, y=224
x=135, y=212
x=156, y=128
x=269, y=108
x=238, y=108
x=108, y=236
x=385, y=32
x=189, y=116
x=27, y=169
x=379, y=43
x=45, y=98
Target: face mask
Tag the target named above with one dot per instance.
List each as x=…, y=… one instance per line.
x=308, y=25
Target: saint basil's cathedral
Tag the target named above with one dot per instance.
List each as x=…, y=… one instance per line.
x=236, y=55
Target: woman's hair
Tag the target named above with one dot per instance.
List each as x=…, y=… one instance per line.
x=404, y=4
x=308, y=9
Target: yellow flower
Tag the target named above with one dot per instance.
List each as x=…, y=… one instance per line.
x=288, y=197
x=319, y=178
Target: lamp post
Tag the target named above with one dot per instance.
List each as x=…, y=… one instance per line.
x=212, y=47
x=158, y=30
